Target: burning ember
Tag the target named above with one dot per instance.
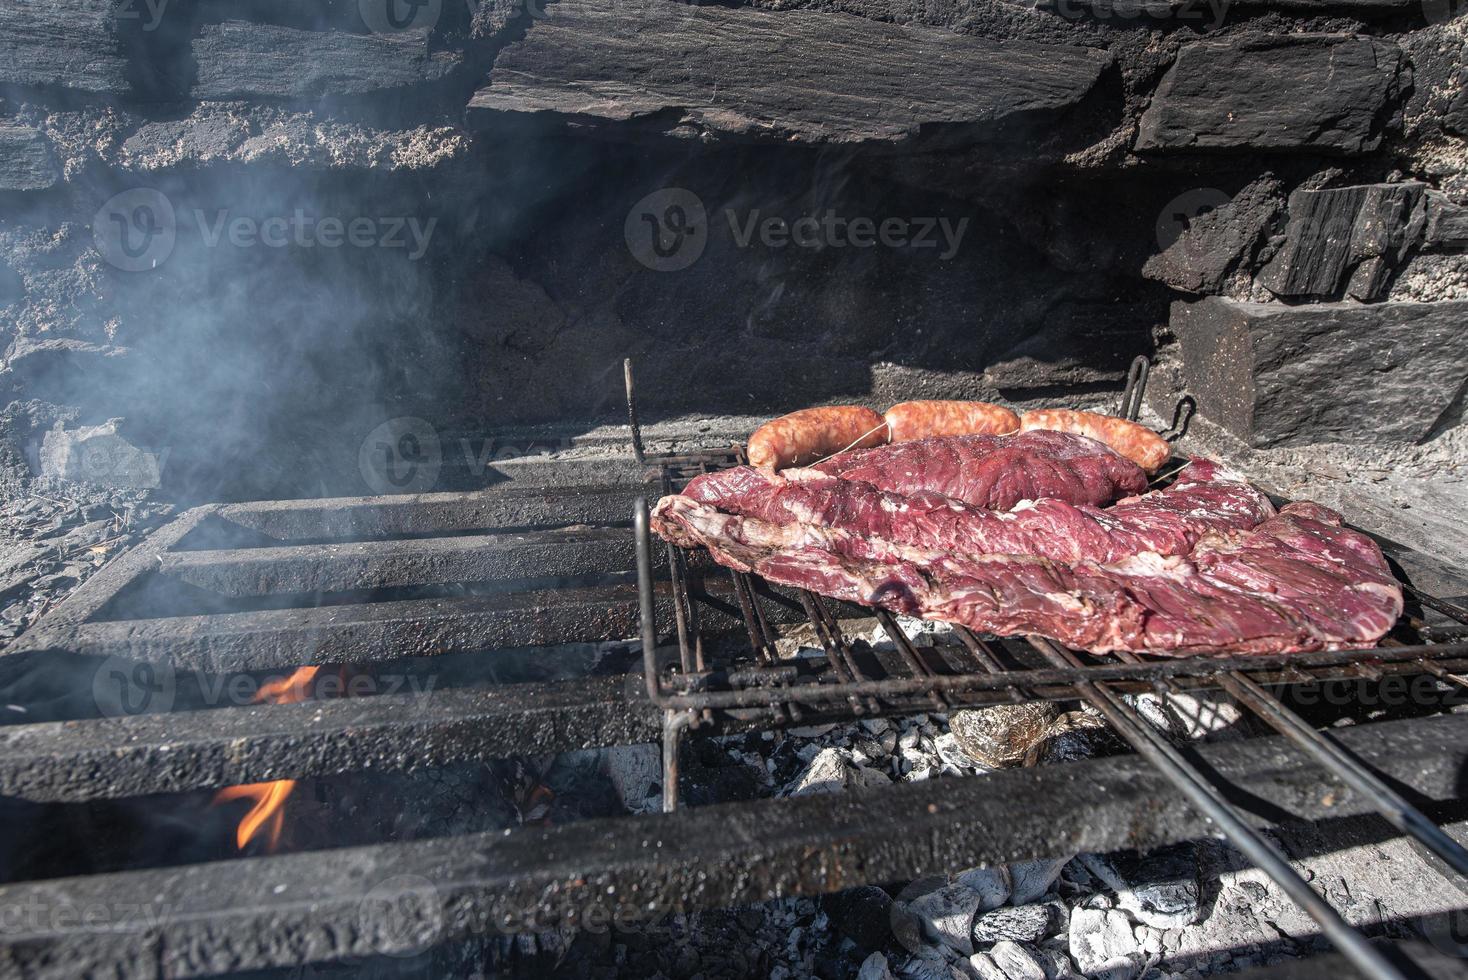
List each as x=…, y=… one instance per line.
x=268, y=813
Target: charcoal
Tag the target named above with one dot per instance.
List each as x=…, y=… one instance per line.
x=1330, y=372
x=100, y=455
x=747, y=73
x=1102, y=943
x=992, y=885
x=1456, y=119
x=830, y=771
x=239, y=60
x=1021, y=961
x=1263, y=95
x=1030, y=880
x=875, y=967
x=1020, y=923
x=1346, y=240
x=946, y=911
x=636, y=774
x=864, y=915
x=1075, y=735
x=1160, y=888
x=70, y=44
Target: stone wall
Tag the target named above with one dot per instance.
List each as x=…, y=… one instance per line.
x=255, y=229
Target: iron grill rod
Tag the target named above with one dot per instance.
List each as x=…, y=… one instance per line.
x=1136, y=386
x=1449, y=609
x=646, y=609
x=637, y=452
x=833, y=627
x=1443, y=675
x=979, y=649
x=1008, y=681
x=1385, y=800
x=1154, y=747
x=758, y=639
x=682, y=606
x=904, y=646
x=1397, y=811
x=828, y=642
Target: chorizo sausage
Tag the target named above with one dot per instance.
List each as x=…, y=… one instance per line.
x=812, y=434
x=1131, y=439
x=910, y=421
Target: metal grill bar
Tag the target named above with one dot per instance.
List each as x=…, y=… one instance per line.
x=1154, y=747
x=135, y=755
x=1387, y=801
x=395, y=564
x=510, y=507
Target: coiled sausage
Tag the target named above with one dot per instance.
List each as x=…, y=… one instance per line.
x=812, y=434
x=1131, y=439
x=910, y=421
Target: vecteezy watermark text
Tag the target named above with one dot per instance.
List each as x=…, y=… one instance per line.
x=668, y=230
x=19, y=918
x=138, y=230
x=150, y=12
x=832, y=230
x=301, y=230
x=406, y=455
x=1203, y=15
x=123, y=687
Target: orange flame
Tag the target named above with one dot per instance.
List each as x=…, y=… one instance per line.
x=268, y=811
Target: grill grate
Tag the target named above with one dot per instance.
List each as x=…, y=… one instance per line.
x=476, y=577
x=1076, y=676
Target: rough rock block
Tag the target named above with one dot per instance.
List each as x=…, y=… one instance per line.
x=799, y=75
x=63, y=44
x=1447, y=224
x=239, y=60
x=1324, y=92
x=1457, y=117
x=1346, y=239
x=25, y=160
x=1332, y=372
x=1215, y=242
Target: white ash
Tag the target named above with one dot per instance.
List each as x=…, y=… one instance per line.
x=1102, y=943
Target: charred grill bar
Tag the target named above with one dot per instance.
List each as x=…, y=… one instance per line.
x=330, y=905
x=372, y=581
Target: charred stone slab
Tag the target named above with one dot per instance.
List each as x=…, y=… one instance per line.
x=803, y=76
x=1214, y=242
x=239, y=60
x=1346, y=239
x=69, y=44
x=1447, y=224
x=1271, y=94
x=1456, y=120
x=25, y=160
x=1290, y=375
